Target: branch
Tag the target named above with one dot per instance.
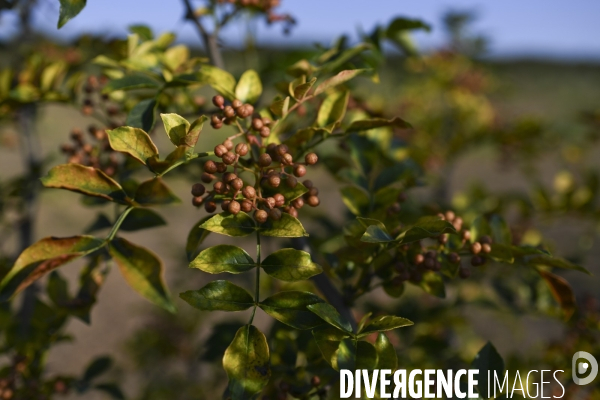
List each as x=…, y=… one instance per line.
x=209, y=39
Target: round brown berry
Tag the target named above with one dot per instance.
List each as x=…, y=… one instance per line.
x=249, y=192
x=210, y=206
x=486, y=248
x=293, y=212
x=308, y=183
x=476, y=248
x=228, y=177
x=236, y=104
x=198, y=189
x=275, y=214
x=220, y=150
x=466, y=235
x=418, y=259
x=246, y=205
x=287, y=159
x=234, y=207
x=264, y=131
x=279, y=199
x=218, y=101
x=443, y=238
x=210, y=167
x=291, y=181
x=454, y=258
x=264, y=160
x=311, y=158
x=229, y=112
x=457, y=223
x=241, y=149
x=313, y=201
x=476, y=261
x=298, y=203
x=207, y=178
x=221, y=167
x=261, y=216
x=229, y=158
x=228, y=143
x=315, y=381
x=282, y=149
x=257, y=124
x=429, y=263
x=237, y=184
x=274, y=181
x=300, y=171
x=313, y=191
x=270, y=201
x=220, y=187
x=485, y=239
x=197, y=201
x=450, y=215
x=225, y=205
x=216, y=119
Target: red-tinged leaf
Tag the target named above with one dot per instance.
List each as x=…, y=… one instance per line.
x=86, y=180
x=142, y=270
x=42, y=257
x=561, y=291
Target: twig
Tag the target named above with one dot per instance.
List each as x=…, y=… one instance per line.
x=210, y=40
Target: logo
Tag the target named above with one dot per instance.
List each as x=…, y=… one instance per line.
x=582, y=367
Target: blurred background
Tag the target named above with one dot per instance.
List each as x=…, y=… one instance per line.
x=531, y=71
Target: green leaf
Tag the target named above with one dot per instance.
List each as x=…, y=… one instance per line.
x=42, y=257
x=356, y=199
x=301, y=90
x=143, y=31
x=392, y=289
x=246, y=362
x=222, y=81
x=143, y=115
x=338, y=79
x=332, y=110
x=328, y=341
x=280, y=107
x=130, y=82
x=177, y=157
x=486, y=360
x=195, y=238
x=554, y=262
x=290, y=308
x=502, y=253
x=426, y=227
x=290, y=265
x=376, y=234
x=366, y=356
x=366, y=124
x=384, y=323
x=330, y=315
x=249, y=88
x=219, y=296
x=155, y=192
x=561, y=291
x=132, y=141
x=68, y=10
x=223, y=258
x=433, y=283
x=86, y=180
x=288, y=193
x=142, y=270
x=176, y=127
x=345, y=356
x=141, y=218
x=287, y=227
x=386, y=354
x=237, y=225
x=96, y=368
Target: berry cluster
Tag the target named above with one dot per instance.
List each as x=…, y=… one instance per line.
x=273, y=167
x=98, y=155
x=415, y=260
x=94, y=101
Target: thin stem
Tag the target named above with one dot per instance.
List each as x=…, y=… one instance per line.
x=117, y=225
x=257, y=283
x=210, y=40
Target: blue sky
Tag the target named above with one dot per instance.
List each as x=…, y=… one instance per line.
x=555, y=28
